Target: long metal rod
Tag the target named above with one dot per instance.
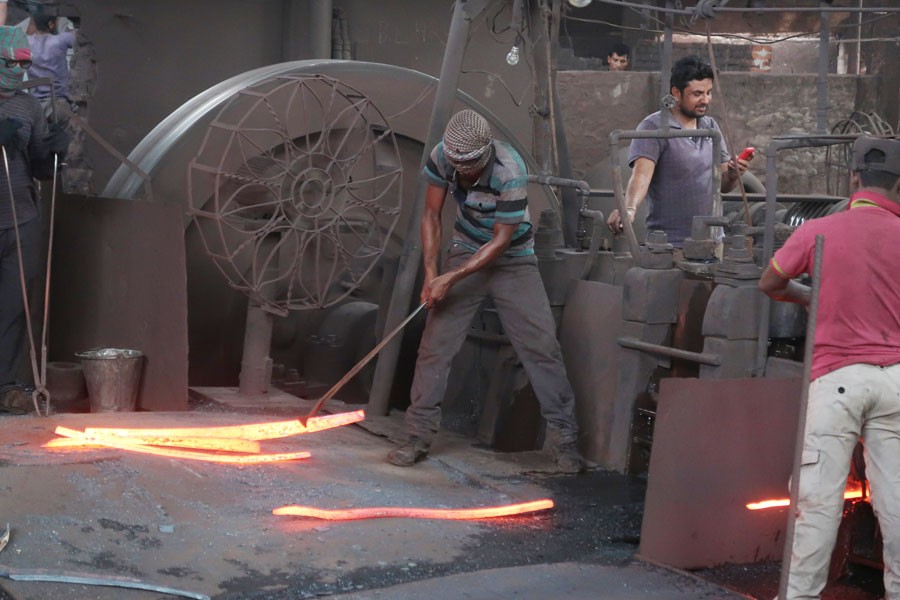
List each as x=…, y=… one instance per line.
x=411, y=255
x=22, y=282
x=857, y=63
x=41, y=383
x=665, y=69
x=148, y=186
x=690, y=11
x=46, y=575
x=713, y=360
x=362, y=363
x=822, y=82
x=801, y=416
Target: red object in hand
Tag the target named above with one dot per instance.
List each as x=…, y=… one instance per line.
x=747, y=153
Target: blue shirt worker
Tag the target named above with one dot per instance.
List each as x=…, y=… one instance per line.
x=49, y=58
x=491, y=255
x=676, y=173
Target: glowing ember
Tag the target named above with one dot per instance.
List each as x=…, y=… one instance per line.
x=415, y=513
x=121, y=444
x=849, y=494
x=255, y=432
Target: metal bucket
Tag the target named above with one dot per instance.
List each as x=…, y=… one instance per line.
x=113, y=376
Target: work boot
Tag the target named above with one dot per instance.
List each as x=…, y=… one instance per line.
x=16, y=399
x=409, y=453
x=563, y=450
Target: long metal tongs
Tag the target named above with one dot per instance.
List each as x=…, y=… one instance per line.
x=39, y=372
x=358, y=366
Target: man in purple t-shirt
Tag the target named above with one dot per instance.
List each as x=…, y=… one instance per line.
x=855, y=388
x=676, y=173
x=49, y=58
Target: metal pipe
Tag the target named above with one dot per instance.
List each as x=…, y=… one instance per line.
x=542, y=116
x=713, y=360
x=618, y=134
x=789, y=198
x=801, y=416
x=385, y=368
x=822, y=84
x=665, y=69
x=580, y=185
x=761, y=9
x=570, y=204
x=320, y=15
x=858, y=62
x=772, y=150
x=515, y=22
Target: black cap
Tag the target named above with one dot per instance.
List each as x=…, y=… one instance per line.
x=890, y=147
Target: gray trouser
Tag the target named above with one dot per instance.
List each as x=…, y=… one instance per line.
x=518, y=293
x=12, y=311
x=844, y=405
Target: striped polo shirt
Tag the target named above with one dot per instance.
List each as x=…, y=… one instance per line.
x=32, y=144
x=499, y=196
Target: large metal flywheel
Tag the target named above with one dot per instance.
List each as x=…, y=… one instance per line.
x=296, y=190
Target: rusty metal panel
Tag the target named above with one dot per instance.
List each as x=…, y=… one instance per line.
x=119, y=281
x=718, y=445
x=591, y=322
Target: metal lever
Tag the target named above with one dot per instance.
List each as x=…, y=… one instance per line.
x=358, y=367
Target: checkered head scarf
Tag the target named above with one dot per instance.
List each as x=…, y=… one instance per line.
x=468, y=142
x=13, y=46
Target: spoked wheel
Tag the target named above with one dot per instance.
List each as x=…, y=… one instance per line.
x=296, y=191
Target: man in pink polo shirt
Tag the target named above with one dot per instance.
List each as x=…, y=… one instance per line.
x=855, y=387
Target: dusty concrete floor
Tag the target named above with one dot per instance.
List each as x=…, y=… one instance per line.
x=208, y=528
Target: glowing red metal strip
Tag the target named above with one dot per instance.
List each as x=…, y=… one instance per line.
x=414, y=513
x=202, y=443
x=187, y=454
x=780, y=502
x=255, y=431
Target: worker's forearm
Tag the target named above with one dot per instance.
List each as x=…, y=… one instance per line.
x=637, y=189
x=482, y=258
x=794, y=292
x=431, y=247
x=729, y=180
x=634, y=197
x=3, y=12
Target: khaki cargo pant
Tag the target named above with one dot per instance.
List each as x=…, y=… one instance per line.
x=844, y=405
x=518, y=293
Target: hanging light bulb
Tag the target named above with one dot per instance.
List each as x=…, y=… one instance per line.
x=512, y=58
x=579, y=3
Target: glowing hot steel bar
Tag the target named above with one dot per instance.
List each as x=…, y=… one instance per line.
x=850, y=494
x=415, y=513
x=121, y=444
x=226, y=445
x=255, y=431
